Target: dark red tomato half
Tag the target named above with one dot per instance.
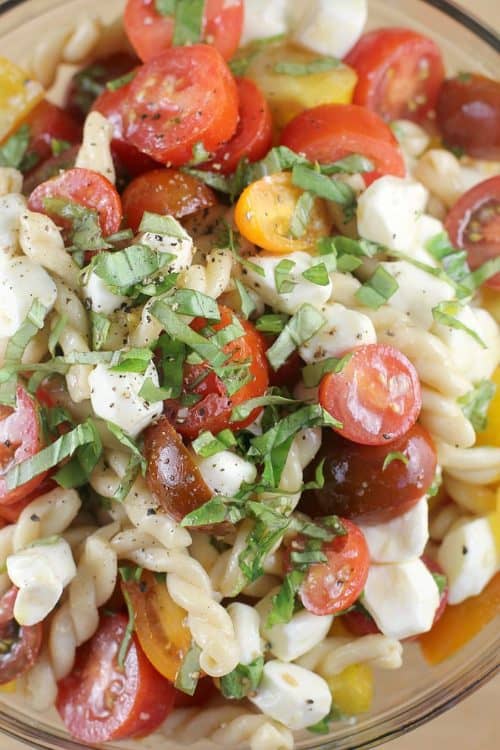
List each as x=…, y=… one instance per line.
x=254, y=135
x=21, y=438
x=85, y=187
x=151, y=32
x=213, y=410
x=205, y=691
x=184, y=97
x=47, y=123
x=335, y=585
x=50, y=168
x=357, y=485
x=376, y=396
x=20, y=644
x=99, y=701
x=473, y=223
x=399, y=73
x=332, y=131
x=468, y=115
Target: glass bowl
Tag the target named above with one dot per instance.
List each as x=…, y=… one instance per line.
x=416, y=693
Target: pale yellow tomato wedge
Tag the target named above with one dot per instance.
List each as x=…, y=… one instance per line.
x=352, y=689
x=18, y=95
x=491, y=435
x=266, y=215
x=272, y=68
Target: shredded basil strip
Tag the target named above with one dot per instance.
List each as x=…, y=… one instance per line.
x=128, y=443
x=300, y=328
x=59, y=146
x=13, y=151
x=189, y=672
x=446, y=312
x=118, y=83
x=317, y=274
x=133, y=360
x=122, y=269
x=282, y=276
x=195, y=304
x=283, y=603
x=378, y=289
x=207, y=444
x=211, y=512
x=266, y=533
x=55, y=334
x=321, y=185
x=188, y=21
x=200, y=154
x=165, y=7
x=100, y=329
x=153, y=393
x=323, y=726
x=301, y=215
x=441, y=581
x=86, y=230
x=164, y=225
x=247, y=304
x=476, y=403
x=272, y=322
x=313, y=374
x=244, y=410
x=394, y=456
x=243, y=680
x=320, y=65
x=127, y=637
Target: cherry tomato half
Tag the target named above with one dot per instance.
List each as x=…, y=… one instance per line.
x=399, y=73
x=376, y=395
x=20, y=438
x=333, y=586
x=99, y=701
x=185, y=96
x=356, y=484
x=468, y=115
x=47, y=123
x=254, y=135
x=213, y=411
x=333, y=131
x=165, y=191
x=21, y=644
x=86, y=187
x=473, y=223
x=50, y=168
x=151, y=32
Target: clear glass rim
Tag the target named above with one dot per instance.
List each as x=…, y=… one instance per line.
x=396, y=722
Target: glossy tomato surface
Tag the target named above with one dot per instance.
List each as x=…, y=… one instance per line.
x=358, y=487
x=21, y=644
x=49, y=123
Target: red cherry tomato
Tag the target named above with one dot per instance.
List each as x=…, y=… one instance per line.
x=254, y=135
x=47, y=122
x=468, y=115
x=359, y=622
x=333, y=586
x=89, y=189
x=333, y=131
x=50, y=168
x=22, y=643
x=184, y=97
x=399, y=73
x=10, y=513
x=151, y=33
x=473, y=223
x=213, y=411
x=99, y=701
x=376, y=396
x=356, y=484
x=165, y=191
x=20, y=438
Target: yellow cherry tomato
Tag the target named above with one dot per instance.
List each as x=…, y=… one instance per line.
x=268, y=214
x=491, y=435
x=352, y=689
x=18, y=95
x=8, y=687
x=272, y=67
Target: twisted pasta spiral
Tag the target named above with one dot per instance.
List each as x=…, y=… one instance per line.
x=11, y=181
x=211, y=279
x=333, y=655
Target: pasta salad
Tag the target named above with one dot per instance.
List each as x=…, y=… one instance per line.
x=249, y=358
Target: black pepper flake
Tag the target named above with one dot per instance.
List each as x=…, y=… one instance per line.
x=34, y=517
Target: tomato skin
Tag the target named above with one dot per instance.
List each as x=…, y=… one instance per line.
x=254, y=135
x=473, y=223
x=20, y=438
x=368, y=397
x=165, y=191
x=333, y=131
x=99, y=702
x=185, y=96
x=26, y=641
x=151, y=33
x=390, y=64
x=360, y=623
x=356, y=486
x=48, y=122
x=87, y=84
x=205, y=691
x=333, y=586
x=468, y=115
x=89, y=189
x=50, y=168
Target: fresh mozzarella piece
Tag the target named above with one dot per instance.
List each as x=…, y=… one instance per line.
x=469, y=357
x=402, y=598
x=115, y=397
x=40, y=573
x=100, y=298
x=22, y=281
x=246, y=623
x=290, y=640
x=412, y=138
x=293, y=695
x=328, y=27
x=225, y=472
x=388, y=211
x=427, y=228
x=264, y=19
x=11, y=208
x=303, y=290
x=400, y=539
x=345, y=286
x=343, y=330
x=418, y=292
x=468, y=557
x=182, y=249
x=444, y=176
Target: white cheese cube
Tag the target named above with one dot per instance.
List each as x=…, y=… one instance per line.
x=115, y=397
x=400, y=539
x=182, y=249
x=264, y=18
x=246, y=623
x=293, y=695
x=12, y=206
x=468, y=556
x=100, y=298
x=402, y=598
x=225, y=472
x=343, y=330
x=328, y=27
x=21, y=282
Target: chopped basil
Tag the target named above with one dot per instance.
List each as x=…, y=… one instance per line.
x=122, y=269
x=239, y=64
x=244, y=410
x=320, y=65
x=188, y=21
x=206, y=444
x=171, y=366
x=118, y=83
x=13, y=151
x=269, y=528
x=321, y=185
x=282, y=278
x=323, y=726
x=127, y=637
x=441, y=581
x=86, y=231
x=244, y=679
x=55, y=333
x=352, y=164
x=164, y=225
x=59, y=146
x=200, y=154
x=445, y=313
x=317, y=274
x=153, y=393
x=283, y=603
x=134, y=360
x=350, y=253
x=310, y=555
x=131, y=473
x=476, y=403
x=128, y=443
x=195, y=304
x=227, y=334
x=378, y=289
x=272, y=322
x=300, y=328
x=483, y=273
x=189, y=672
x=394, y=456
x=313, y=374
x=301, y=215
x=76, y=472
x=212, y=512
x=165, y=7
x=100, y=330
x=232, y=244
x=247, y=304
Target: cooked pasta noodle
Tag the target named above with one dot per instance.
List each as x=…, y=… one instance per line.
x=211, y=279
x=478, y=465
x=333, y=655
x=41, y=241
x=11, y=181
x=95, y=151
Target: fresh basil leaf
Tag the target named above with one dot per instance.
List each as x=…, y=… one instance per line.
x=243, y=680
x=164, y=225
x=206, y=444
x=283, y=603
x=165, y=7
x=179, y=330
x=171, y=366
x=233, y=246
x=313, y=374
x=446, y=314
x=269, y=528
x=351, y=253
x=317, y=274
x=153, y=393
x=86, y=230
x=13, y=151
x=195, y=304
x=394, y=456
x=126, y=482
x=476, y=403
x=483, y=273
x=133, y=360
x=321, y=185
x=311, y=555
x=189, y=672
x=378, y=289
x=122, y=269
x=76, y=472
x=118, y=83
x=200, y=154
x=128, y=443
x=323, y=726
x=301, y=215
x=214, y=511
x=188, y=22
x=100, y=329
x=300, y=328
x=272, y=322
x=441, y=581
x=127, y=636
x=247, y=304
x=55, y=333
x=282, y=278
x=59, y=146
x=242, y=411
x=319, y=65
x=352, y=164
